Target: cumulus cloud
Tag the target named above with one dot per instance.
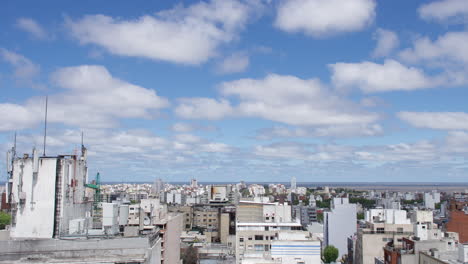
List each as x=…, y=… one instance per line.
x=237, y=62
x=32, y=27
x=291, y=100
x=447, y=48
x=280, y=98
x=445, y=10
x=182, y=127
x=15, y=117
x=436, y=120
x=372, y=77
x=324, y=17
x=92, y=97
x=335, y=131
x=203, y=108
x=401, y=152
x=186, y=35
x=25, y=69
x=387, y=41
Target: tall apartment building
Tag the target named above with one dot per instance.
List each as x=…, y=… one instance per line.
x=382, y=226
x=430, y=199
x=293, y=184
x=458, y=219
x=305, y=213
x=339, y=224
x=260, y=227
x=47, y=195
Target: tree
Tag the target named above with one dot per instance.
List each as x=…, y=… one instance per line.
x=320, y=217
x=190, y=255
x=4, y=220
x=330, y=254
x=360, y=216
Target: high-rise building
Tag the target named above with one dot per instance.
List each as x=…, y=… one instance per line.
x=382, y=226
x=193, y=183
x=267, y=233
x=339, y=224
x=293, y=184
x=158, y=186
x=47, y=195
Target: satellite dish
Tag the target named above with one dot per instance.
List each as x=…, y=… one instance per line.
x=146, y=221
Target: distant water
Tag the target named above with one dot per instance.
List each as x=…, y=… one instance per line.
x=318, y=184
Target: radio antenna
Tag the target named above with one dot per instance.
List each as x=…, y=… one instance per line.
x=45, y=126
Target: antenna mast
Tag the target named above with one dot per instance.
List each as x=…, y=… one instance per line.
x=45, y=126
x=14, y=147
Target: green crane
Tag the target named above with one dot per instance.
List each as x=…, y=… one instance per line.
x=97, y=187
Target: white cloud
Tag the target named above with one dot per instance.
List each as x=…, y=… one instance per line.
x=285, y=99
x=186, y=35
x=15, y=117
x=448, y=48
x=237, y=62
x=31, y=26
x=25, y=69
x=436, y=120
x=324, y=17
x=321, y=131
x=291, y=100
x=401, y=152
x=387, y=41
x=182, y=127
x=215, y=147
x=372, y=77
x=187, y=138
x=92, y=97
x=456, y=142
x=445, y=10
x=203, y=108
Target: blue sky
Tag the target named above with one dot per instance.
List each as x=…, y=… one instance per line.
x=324, y=90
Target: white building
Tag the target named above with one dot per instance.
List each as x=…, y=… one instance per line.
x=387, y=216
x=293, y=184
x=258, y=228
x=48, y=194
x=339, y=224
x=430, y=199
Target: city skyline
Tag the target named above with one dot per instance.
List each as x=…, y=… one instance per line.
x=230, y=90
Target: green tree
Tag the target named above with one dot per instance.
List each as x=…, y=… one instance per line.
x=5, y=220
x=360, y=216
x=330, y=254
x=366, y=203
x=323, y=204
x=320, y=217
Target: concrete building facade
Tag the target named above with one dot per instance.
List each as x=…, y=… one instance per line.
x=339, y=224
x=47, y=193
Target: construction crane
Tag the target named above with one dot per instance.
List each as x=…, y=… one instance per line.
x=97, y=187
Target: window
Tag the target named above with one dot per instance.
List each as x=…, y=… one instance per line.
x=267, y=247
x=241, y=239
x=267, y=218
x=400, y=230
x=258, y=237
x=259, y=247
x=380, y=230
x=250, y=238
